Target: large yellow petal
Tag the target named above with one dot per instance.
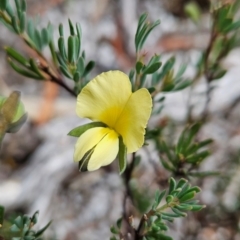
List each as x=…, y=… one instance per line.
x=104, y=98
x=105, y=151
x=88, y=140
x=133, y=120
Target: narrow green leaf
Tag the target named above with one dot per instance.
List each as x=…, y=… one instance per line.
x=9, y=9
x=198, y=157
x=44, y=36
x=151, y=89
x=15, y=25
x=79, y=34
x=77, y=48
x=18, y=5
x=119, y=223
x=193, y=11
x=88, y=68
x=187, y=196
x=71, y=49
x=72, y=32
x=23, y=72
x=14, y=127
x=23, y=5
x=166, y=68
x=139, y=66
x=60, y=29
x=152, y=68
x=17, y=56
x=181, y=183
x=22, y=22
x=80, y=66
x=197, y=207
x=78, y=131
x=169, y=198
x=30, y=29
x=83, y=163
x=34, y=217
x=1, y=215
x=19, y=222
x=65, y=72
x=3, y=4
x=122, y=156
x=203, y=174
x=178, y=212
x=41, y=231
x=149, y=30
x=76, y=77
x=172, y=185
x=184, y=207
x=62, y=49
x=35, y=68
x=14, y=228
x=37, y=39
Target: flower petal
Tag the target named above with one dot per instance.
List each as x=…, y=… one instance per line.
x=105, y=151
x=104, y=98
x=133, y=120
x=88, y=140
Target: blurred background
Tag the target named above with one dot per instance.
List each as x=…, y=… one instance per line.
x=36, y=164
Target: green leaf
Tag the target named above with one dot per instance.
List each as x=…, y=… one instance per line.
x=122, y=156
x=23, y=5
x=88, y=68
x=60, y=29
x=78, y=131
x=152, y=68
x=23, y=72
x=65, y=71
x=179, y=212
x=34, y=218
x=139, y=66
x=15, y=25
x=77, y=48
x=15, y=126
x=72, y=32
x=150, y=28
x=41, y=231
x=83, y=163
x=17, y=56
x=187, y=196
x=193, y=11
x=71, y=49
x=38, y=39
x=76, y=77
x=181, y=183
x=80, y=66
x=14, y=228
x=166, y=68
x=3, y=4
x=45, y=36
x=119, y=223
x=197, y=207
x=22, y=22
x=113, y=230
x=1, y=215
x=9, y=9
x=30, y=29
x=19, y=222
x=62, y=49
x=35, y=68
x=151, y=89
x=172, y=185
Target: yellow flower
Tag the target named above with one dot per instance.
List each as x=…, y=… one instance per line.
x=119, y=119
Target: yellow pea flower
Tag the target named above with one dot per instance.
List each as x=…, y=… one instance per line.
x=118, y=115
